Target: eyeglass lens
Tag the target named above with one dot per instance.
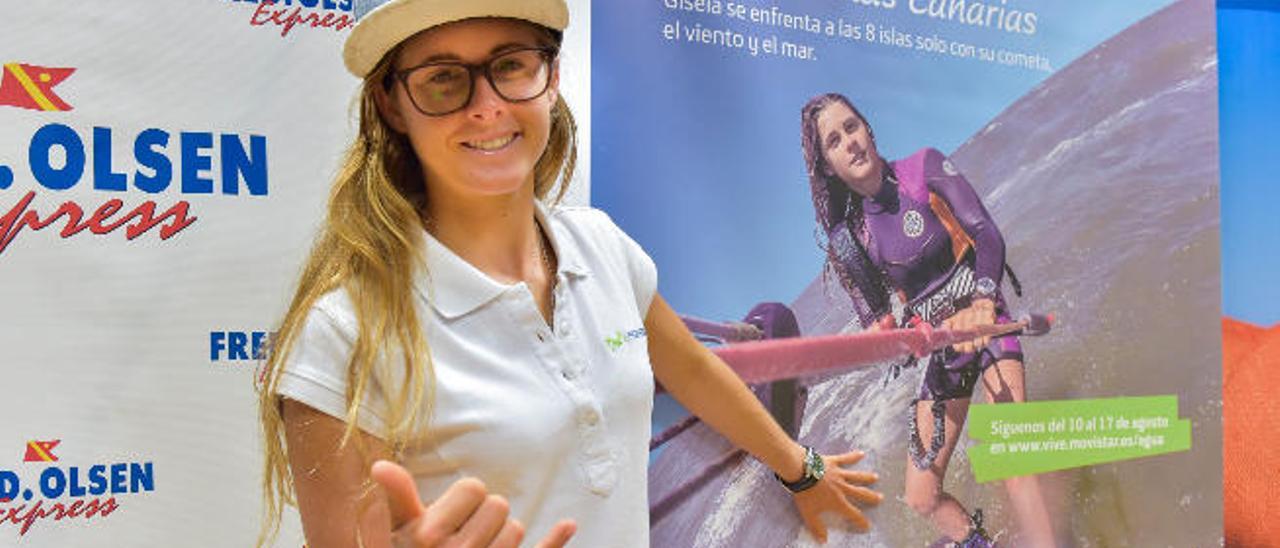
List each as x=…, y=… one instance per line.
x=442, y=88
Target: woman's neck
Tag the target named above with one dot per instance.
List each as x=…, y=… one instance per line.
x=496, y=234
x=888, y=191
x=870, y=186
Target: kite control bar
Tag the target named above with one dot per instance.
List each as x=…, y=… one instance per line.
x=776, y=359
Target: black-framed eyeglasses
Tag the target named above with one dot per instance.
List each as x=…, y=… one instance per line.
x=444, y=87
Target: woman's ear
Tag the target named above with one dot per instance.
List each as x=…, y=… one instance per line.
x=388, y=108
x=553, y=88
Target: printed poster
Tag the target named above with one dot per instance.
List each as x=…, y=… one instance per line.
x=1087, y=132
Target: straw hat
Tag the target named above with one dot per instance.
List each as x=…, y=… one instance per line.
x=381, y=24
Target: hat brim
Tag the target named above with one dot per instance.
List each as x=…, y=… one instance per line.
x=391, y=23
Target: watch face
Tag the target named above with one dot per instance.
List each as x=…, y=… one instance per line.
x=985, y=287
x=814, y=466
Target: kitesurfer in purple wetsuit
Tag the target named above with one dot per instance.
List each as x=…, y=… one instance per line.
x=915, y=228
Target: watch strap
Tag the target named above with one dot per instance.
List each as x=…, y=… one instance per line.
x=814, y=469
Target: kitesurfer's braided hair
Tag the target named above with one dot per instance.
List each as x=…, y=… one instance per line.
x=839, y=214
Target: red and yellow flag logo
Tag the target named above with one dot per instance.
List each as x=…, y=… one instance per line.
x=41, y=451
x=31, y=87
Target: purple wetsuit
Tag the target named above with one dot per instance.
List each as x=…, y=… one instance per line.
x=908, y=242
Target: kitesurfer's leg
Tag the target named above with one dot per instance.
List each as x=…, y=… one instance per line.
x=1004, y=382
x=924, y=492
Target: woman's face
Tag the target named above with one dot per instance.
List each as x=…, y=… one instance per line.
x=490, y=146
x=848, y=148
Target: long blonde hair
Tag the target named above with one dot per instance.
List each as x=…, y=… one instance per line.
x=371, y=246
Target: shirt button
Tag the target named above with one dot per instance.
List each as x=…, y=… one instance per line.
x=568, y=374
x=591, y=417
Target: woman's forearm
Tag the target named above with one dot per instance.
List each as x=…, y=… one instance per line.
x=708, y=388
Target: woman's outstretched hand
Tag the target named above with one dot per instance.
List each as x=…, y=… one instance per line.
x=465, y=515
x=833, y=493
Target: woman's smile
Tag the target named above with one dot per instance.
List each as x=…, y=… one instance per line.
x=491, y=145
x=859, y=159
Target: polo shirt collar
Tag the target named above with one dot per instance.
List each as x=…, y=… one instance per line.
x=568, y=256
x=455, y=287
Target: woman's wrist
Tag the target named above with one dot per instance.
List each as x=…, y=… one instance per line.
x=791, y=469
x=812, y=472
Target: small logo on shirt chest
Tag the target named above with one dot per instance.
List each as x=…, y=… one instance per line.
x=913, y=224
x=617, y=340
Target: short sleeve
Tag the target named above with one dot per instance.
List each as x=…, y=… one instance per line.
x=640, y=267
x=315, y=371
x=644, y=273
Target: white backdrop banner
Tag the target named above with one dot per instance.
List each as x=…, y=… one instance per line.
x=163, y=170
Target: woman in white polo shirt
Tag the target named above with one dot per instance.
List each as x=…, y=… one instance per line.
x=455, y=319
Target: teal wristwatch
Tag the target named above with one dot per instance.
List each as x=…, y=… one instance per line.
x=814, y=469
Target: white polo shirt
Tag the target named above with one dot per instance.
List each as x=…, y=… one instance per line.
x=556, y=420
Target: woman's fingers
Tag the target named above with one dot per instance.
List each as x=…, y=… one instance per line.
x=847, y=459
x=559, y=535
x=980, y=313
x=963, y=321
x=857, y=477
x=853, y=514
x=861, y=494
x=402, y=492
x=957, y=322
x=836, y=464
x=465, y=515
x=482, y=528
x=984, y=314
x=977, y=318
x=448, y=513
x=814, y=525
x=510, y=535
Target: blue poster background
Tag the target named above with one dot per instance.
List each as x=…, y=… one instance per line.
x=696, y=151
x=1249, y=48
